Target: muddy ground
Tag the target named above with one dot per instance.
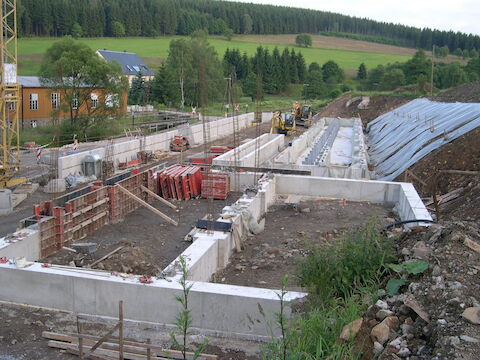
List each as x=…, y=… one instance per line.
x=289, y=234
x=149, y=242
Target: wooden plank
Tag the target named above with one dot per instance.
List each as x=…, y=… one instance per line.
x=415, y=177
x=91, y=357
x=147, y=205
x=158, y=349
x=120, y=330
x=159, y=198
x=99, y=353
x=105, y=337
x=106, y=256
x=90, y=207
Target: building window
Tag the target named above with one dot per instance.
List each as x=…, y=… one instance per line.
x=94, y=98
x=55, y=100
x=11, y=106
x=33, y=123
x=74, y=102
x=33, y=101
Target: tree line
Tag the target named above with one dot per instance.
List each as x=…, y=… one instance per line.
x=418, y=71
x=94, y=18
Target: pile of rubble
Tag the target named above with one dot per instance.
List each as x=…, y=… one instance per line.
x=437, y=315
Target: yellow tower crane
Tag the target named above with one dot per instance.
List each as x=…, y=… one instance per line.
x=9, y=97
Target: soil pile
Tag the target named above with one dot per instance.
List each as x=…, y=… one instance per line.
x=378, y=105
x=436, y=315
x=467, y=93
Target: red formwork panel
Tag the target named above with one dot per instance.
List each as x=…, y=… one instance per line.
x=185, y=183
x=201, y=159
x=181, y=182
x=169, y=182
x=178, y=183
x=220, y=149
x=163, y=189
x=194, y=181
x=215, y=185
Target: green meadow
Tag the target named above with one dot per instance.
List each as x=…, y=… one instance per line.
x=154, y=50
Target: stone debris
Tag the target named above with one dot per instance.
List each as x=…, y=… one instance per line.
x=472, y=314
x=351, y=330
x=437, y=315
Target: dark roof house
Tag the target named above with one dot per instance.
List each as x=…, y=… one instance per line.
x=131, y=63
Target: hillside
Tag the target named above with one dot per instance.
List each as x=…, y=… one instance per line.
x=349, y=54
x=182, y=17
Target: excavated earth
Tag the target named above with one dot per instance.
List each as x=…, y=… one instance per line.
x=378, y=105
x=437, y=313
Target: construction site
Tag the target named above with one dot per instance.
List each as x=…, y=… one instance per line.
x=96, y=238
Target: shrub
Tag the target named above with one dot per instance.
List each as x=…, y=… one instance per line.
x=357, y=260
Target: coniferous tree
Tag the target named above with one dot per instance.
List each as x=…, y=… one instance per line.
x=362, y=72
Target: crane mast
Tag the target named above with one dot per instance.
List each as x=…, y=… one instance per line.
x=9, y=96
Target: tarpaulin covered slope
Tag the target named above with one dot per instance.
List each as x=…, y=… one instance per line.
x=399, y=138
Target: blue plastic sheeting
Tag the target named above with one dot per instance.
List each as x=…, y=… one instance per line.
x=400, y=138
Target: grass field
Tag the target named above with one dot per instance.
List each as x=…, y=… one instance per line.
x=153, y=50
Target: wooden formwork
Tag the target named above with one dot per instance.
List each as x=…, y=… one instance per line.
x=94, y=208
x=86, y=214
x=121, y=203
x=48, y=243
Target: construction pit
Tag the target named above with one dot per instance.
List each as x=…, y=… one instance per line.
x=232, y=297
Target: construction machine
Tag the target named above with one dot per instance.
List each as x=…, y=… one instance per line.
x=282, y=123
x=303, y=114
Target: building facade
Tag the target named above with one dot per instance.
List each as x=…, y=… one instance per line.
x=40, y=105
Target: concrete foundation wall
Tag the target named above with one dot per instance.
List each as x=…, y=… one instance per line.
x=219, y=309
x=216, y=308
x=292, y=157
x=403, y=196
x=127, y=150
x=211, y=250
x=23, y=243
x=269, y=146
x=299, y=145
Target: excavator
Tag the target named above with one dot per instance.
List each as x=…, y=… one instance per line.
x=303, y=114
x=282, y=123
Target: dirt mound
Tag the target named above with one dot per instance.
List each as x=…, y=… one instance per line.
x=435, y=315
x=467, y=93
x=378, y=105
x=443, y=291
x=461, y=154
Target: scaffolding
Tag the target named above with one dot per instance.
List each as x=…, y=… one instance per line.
x=9, y=96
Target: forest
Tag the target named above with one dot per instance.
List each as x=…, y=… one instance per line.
x=96, y=18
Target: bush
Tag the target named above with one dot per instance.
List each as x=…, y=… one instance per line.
x=303, y=40
x=335, y=93
x=358, y=260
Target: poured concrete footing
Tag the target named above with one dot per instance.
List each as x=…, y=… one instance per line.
x=219, y=309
